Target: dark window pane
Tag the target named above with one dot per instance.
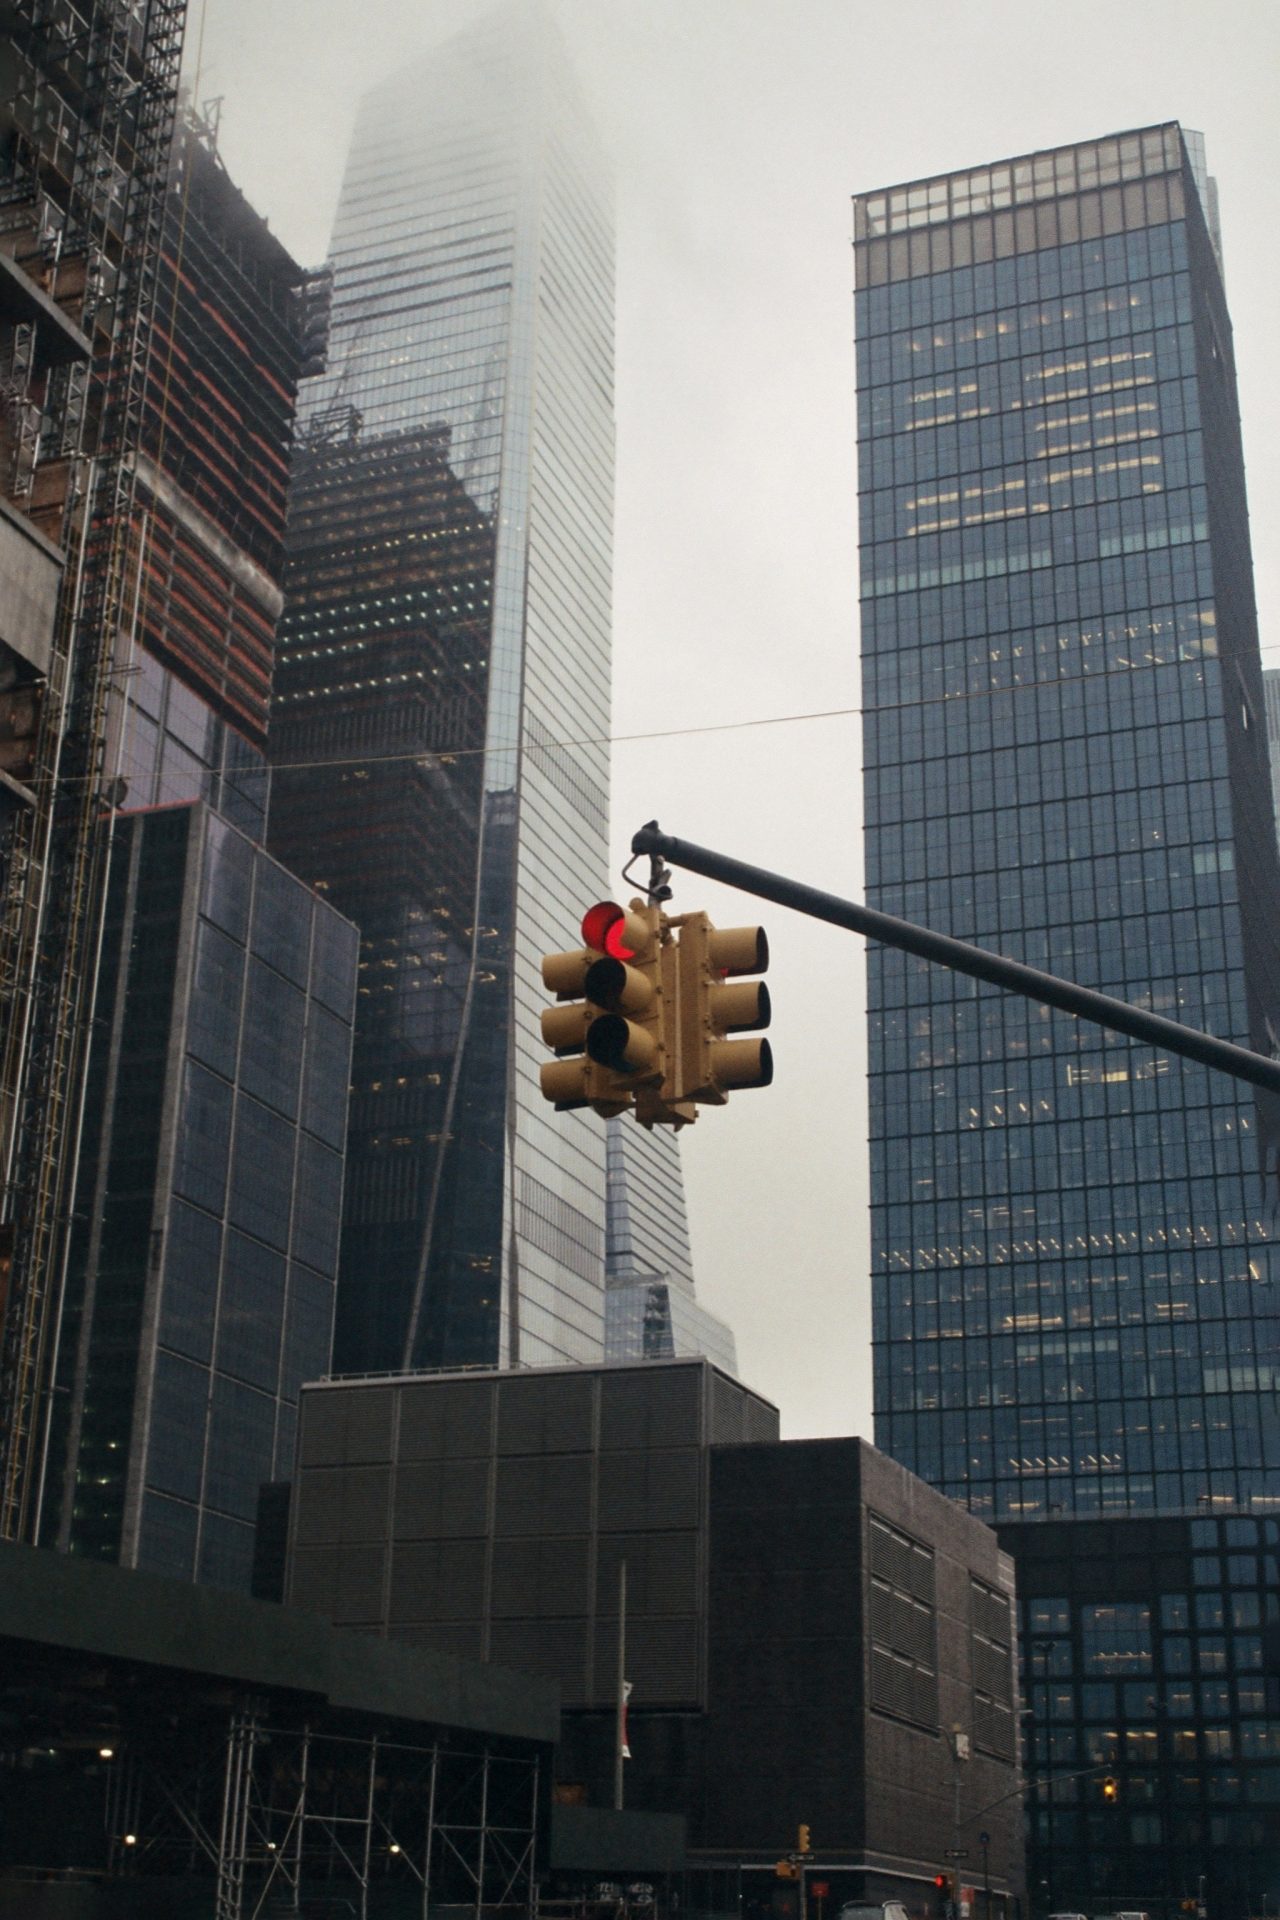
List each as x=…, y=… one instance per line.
x=251, y=1311
x=326, y=1076
x=318, y=1210
x=271, y=1058
x=281, y=921
x=167, y=1539
x=193, y=1252
x=213, y=1020
x=203, y=1138
x=308, y=1330
x=262, y=1174
x=228, y=872
x=241, y=1430
x=176, y=1451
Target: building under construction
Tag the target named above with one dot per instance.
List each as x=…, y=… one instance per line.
x=150, y=410
x=87, y=95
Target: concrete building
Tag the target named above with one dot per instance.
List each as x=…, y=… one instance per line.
x=811, y=1634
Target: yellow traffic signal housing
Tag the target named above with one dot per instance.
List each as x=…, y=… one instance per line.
x=802, y=1839
x=713, y=1002
x=786, y=1870
x=608, y=1026
x=1110, y=1789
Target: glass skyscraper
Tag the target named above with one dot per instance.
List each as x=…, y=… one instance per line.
x=651, y=1312
x=203, y=1253
x=442, y=702
x=1075, y=1282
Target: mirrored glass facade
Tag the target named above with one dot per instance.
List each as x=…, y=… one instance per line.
x=1073, y=1237
x=441, y=715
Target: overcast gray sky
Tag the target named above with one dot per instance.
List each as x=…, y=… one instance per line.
x=740, y=129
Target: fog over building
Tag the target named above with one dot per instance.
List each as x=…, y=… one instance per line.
x=440, y=730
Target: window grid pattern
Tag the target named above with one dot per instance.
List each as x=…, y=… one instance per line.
x=1165, y=1691
x=1073, y=1255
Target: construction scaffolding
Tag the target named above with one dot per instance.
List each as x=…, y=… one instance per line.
x=86, y=124
x=300, y=1821
x=228, y=1757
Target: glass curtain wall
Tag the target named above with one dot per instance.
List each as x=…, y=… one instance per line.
x=468, y=620
x=1074, y=1265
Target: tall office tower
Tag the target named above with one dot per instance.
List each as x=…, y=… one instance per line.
x=440, y=766
x=1074, y=1268
x=198, y=1283
x=203, y=1256
x=87, y=94
x=651, y=1312
x=1271, y=702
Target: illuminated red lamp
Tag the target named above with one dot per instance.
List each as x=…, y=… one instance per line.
x=604, y=927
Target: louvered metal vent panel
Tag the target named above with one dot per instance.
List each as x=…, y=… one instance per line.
x=662, y=1662
x=323, y=1420
x=554, y=1647
x=728, y=1405
x=316, y=1510
x=547, y=1495
x=993, y=1727
x=441, y=1499
x=438, y=1580
x=363, y=1507
x=464, y=1638
x=546, y=1579
x=313, y=1580
x=900, y=1622
x=641, y=1490
x=902, y=1560
x=359, y=1587
x=760, y=1422
x=658, y=1408
x=549, y=1415
x=662, y=1572
x=900, y=1688
x=451, y=1419
x=993, y=1671
x=991, y=1613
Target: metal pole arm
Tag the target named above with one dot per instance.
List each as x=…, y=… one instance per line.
x=1138, y=1022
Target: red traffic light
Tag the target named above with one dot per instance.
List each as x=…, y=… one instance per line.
x=940, y=1880
x=604, y=927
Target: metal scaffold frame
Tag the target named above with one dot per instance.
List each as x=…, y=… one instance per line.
x=302, y=1820
x=116, y=66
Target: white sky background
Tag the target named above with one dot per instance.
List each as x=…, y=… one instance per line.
x=740, y=129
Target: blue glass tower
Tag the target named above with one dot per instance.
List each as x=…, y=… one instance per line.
x=1075, y=1305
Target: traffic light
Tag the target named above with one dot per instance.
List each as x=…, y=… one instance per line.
x=1110, y=1789
x=608, y=1026
x=945, y=1883
x=710, y=1066
x=802, y=1839
x=786, y=1870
